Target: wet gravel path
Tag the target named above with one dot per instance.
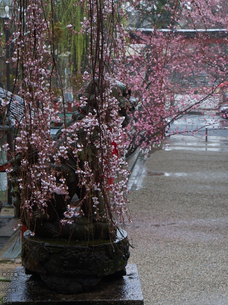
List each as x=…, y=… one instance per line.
x=179, y=210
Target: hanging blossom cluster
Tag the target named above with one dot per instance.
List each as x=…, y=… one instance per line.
x=103, y=172
x=89, y=150
x=34, y=145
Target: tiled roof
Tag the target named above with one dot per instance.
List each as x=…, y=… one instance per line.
x=12, y=106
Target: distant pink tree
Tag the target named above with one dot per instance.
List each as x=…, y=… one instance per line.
x=175, y=70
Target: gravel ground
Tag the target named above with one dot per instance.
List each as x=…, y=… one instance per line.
x=179, y=227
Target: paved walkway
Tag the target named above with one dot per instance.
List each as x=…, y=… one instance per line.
x=179, y=210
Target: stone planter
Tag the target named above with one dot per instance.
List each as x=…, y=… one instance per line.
x=73, y=266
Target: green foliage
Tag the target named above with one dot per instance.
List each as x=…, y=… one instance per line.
x=58, y=33
x=71, y=42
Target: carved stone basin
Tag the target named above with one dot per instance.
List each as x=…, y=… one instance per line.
x=73, y=266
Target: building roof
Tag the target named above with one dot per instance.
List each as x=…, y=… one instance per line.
x=12, y=107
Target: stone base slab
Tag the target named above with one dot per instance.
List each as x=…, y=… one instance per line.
x=27, y=290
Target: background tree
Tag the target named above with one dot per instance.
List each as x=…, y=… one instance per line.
x=177, y=70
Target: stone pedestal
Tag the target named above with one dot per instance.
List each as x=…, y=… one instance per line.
x=27, y=290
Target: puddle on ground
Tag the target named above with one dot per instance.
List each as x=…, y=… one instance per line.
x=151, y=173
x=140, y=172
